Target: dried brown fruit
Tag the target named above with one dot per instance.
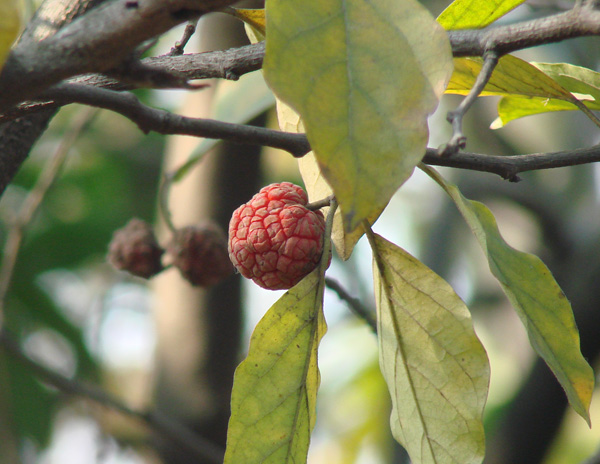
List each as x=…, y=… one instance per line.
x=200, y=254
x=134, y=249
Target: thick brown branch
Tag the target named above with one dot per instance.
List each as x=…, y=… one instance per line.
x=578, y=22
x=228, y=64
x=96, y=42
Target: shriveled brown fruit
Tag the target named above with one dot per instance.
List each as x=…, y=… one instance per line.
x=200, y=254
x=134, y=249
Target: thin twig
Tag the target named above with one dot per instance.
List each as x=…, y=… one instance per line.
x=353, y=303
x=458, y=140
x=152, y=119
x=33, y=201
x=585, y=110
x=198, y=446
x=315, y=205
x=163, y=200
x=188, y=32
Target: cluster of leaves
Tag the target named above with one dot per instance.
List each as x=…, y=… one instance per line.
x=361, y=78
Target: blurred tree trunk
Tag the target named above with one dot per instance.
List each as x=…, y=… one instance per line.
x=199, y=330
x=18, y=137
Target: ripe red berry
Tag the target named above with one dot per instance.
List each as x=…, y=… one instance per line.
x=274, y=239
x=200, y=254
x=134, y=249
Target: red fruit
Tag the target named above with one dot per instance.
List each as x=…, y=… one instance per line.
x=200, y=254
x=134, y=249
x=274, y=239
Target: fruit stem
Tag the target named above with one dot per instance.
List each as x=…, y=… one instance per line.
x=320, y=203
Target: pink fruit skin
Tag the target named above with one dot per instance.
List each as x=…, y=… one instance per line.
x=274, y=239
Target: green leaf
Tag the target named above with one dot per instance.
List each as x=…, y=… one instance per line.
x=511, y=108
x=273, y=402
x=11, y=18
x=576, y=79
x=363, y=76
x=436, y=369
x=475, y=14
x=235, y=102
x=538, y=300
x=582, y=83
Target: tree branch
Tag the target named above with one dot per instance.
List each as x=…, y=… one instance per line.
x=228, y=64
x=88, y=44
x=147, y=118
x=508, y=167
x=196, y=445
x=580, y=21
x=353, y=303
x=163, y=122
x=189, y=31
x=96, y=42
x=458, y=140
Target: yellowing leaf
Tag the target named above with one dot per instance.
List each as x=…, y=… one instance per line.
x=275, y=387
x=10, y=26
x=475, y=14
x=364, y=76
x=274, y=395
x=254, y=20
x=318, y=188
x=530, y=88
x=512, y=76
x=435, y=366
x=538, y=300
x=316, y=185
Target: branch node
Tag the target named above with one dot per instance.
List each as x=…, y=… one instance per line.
x=188, y=32
x=231, y=75
x=458, y=140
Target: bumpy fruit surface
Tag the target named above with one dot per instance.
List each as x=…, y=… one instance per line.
x=200, y=254
x=274, y=239
x=134, y=249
